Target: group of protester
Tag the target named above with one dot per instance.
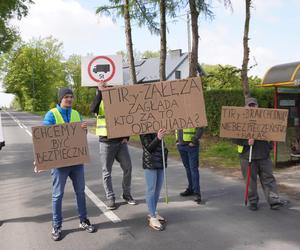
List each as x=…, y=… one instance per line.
x=153, y=158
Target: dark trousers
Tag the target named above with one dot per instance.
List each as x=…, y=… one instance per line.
x=263, y=169
x=190, y=159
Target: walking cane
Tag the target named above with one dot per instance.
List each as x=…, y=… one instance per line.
x=248, y=176
x=165, y=172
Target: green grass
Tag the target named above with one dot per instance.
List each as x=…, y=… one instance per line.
x=219, y=153
x=214, y=151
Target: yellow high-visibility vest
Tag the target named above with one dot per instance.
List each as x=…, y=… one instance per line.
x=101, y=123
x=240, y=149
x=188, y=134
x=75, y=117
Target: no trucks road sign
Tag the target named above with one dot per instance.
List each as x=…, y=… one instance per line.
x=97, y=69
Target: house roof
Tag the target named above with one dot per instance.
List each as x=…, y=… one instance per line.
x=147, y=70
x=282, y=75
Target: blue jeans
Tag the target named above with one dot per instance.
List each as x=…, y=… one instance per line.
x=59, y=178
x=190, y=159
x=154, y=181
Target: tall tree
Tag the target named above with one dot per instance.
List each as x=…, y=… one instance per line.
x=34, y=74
x=163, y=40
x=8, y=10
x=244, y=72
x=123, y=8
x=129, y=45
x=83, y=95
x=196, y=8
x=146, y=13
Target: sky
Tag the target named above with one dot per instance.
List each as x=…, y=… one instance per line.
x=273, y=39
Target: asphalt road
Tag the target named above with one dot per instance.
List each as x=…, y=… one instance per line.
x=221, y=223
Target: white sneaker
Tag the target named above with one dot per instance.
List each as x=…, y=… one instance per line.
x=155, y=224
x=160, y=218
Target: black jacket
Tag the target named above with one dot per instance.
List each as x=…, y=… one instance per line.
x=95, y=110
x=260, y=150
x=152, y=153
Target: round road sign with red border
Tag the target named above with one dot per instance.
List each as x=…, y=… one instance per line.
x=112, y=70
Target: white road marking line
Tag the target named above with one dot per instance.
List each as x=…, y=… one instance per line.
x=297, y=208
x=100, y=204
x=28, y=132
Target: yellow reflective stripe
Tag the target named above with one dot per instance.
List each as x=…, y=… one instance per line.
x=101, y=122
x=58, y=117
x=240, y=149
x=75, y=116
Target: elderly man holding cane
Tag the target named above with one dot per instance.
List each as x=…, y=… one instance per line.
x=255, y=160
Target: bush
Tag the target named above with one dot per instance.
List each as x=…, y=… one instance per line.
x=215, y=99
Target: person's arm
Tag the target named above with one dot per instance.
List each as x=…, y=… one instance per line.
x=96, y=103
x=49, y=119
x=197, y=136
x=242, y=142
x=150, y=143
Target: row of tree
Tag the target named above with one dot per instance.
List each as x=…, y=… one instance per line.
x=35, y=70
x=145, y=12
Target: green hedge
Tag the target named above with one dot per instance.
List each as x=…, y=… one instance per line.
x=215, y=99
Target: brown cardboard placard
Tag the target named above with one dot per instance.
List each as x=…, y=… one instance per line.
x=59, y=145
x=145, y=108
x=256, y=123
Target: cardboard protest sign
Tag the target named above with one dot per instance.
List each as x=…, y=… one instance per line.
x=59, y=145
x=256, y=123
x=145, y=108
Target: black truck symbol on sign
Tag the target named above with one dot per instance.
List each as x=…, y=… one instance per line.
x=101, y=68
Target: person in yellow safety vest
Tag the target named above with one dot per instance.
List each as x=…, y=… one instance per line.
x=261, y=165
x=111, y=149
x=63, y=113
x=187, y=141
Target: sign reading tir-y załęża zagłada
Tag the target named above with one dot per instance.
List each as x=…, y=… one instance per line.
x=145, y=108
x=59, y=145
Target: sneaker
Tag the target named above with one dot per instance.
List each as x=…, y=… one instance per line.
x=279, y=204
x=111, y=204
x=155, y=224
x=56, y=233
x=129, y=199
x=160, y=218
x=253, y=207
x=197, y=198
x=187, y=192
x=87, y=226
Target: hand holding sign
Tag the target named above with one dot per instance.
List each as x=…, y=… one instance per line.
x=60, y=145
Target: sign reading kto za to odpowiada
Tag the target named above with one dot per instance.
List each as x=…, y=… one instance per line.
x=145, y=108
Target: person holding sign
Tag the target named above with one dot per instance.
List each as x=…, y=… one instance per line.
x=187, y=141
x=111, y=149
x=261, y=165
x=63, y=113
x=154, y=174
